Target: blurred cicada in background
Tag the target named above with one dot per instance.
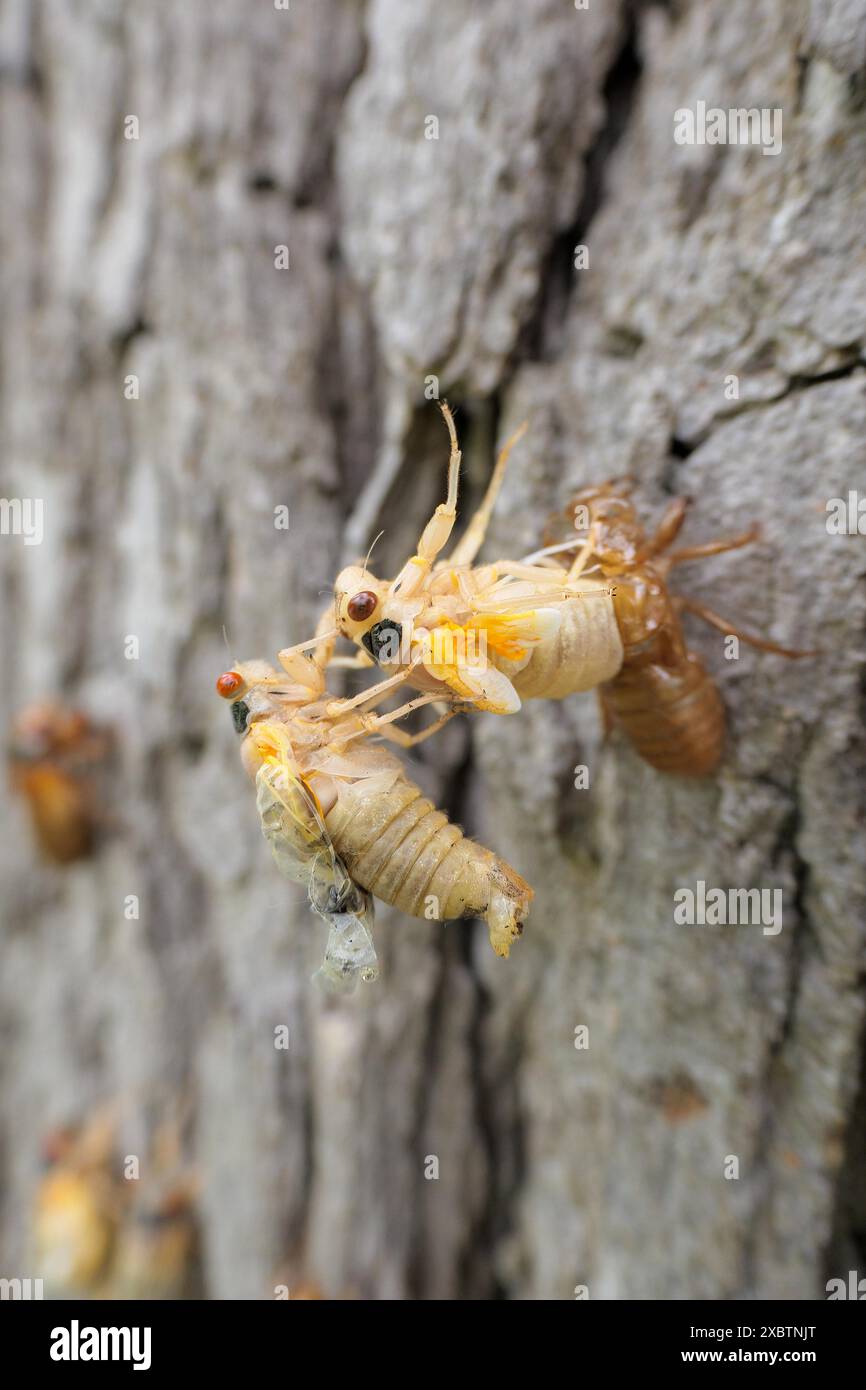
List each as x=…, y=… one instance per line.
x=54, y=754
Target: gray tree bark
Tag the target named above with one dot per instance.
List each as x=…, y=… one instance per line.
x=452, y=257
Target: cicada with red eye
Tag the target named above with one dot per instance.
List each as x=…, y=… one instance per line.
x=489, y=635
x=342, y=817
x=231, y=686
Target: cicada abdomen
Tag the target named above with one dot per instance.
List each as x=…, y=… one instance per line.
x=408, y=853
x=585, y=650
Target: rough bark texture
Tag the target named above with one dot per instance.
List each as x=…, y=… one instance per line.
x=413, y=258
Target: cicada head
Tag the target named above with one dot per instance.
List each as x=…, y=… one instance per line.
x=257, y=693
x=604, y=517
x=358, y=599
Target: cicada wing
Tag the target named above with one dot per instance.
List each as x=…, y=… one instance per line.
x=301, y=844
x=294, y=828
x=512, y=633
x=350, y=952
x=482, y=686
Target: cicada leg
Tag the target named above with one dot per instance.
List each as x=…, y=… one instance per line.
x=668, y=528
x=382, y=723
x=723, y=625
x=718, y=547
x=336, y=709
x=473, y=538
x=437, y=532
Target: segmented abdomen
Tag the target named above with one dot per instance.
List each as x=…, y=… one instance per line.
x=397, y=845
x=674, y=717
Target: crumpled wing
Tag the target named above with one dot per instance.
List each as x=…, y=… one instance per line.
x=295, y=829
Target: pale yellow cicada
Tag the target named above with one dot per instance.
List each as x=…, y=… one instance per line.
x=342, y=817
x=294, y=827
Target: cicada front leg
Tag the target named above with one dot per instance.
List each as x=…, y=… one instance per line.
x=437, y=532
x=359, y=662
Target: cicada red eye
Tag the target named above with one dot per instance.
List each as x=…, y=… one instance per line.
x=362, y=606
x=230, y=684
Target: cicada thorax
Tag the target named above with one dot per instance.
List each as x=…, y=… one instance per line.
x=584, y=649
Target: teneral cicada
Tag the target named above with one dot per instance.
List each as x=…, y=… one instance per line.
x=343, y=818
x=490, y=635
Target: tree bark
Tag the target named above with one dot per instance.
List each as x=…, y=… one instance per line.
x=431, y=170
